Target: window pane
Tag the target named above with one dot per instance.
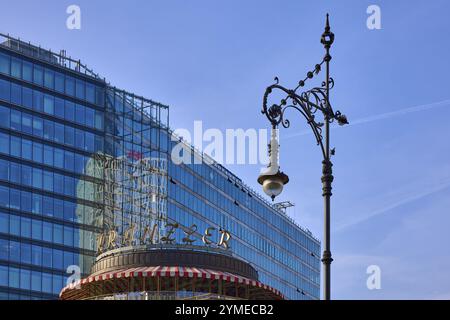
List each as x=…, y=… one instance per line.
x=69, y=111
x=38, y=100
x=4, y=117
x=69, y=136
x=90, y=92
x=27, y=123
x=38, y=127
x=4, y=63
x=37, y=152
x=80, y=89
x=38, y=75
x=79, y=114
x=4, y=143
x=59, y=82
x=48, y=130
x=48, y=104
x=49, y=78
x=70, y=86
x=59, y=108
x=27, y=71
x=27, y=97
x=16, y=68
x=48, y=155
x=5, y=90
x=27, y=150
x=16, y=94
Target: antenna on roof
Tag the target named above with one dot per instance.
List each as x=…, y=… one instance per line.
x=282, y=206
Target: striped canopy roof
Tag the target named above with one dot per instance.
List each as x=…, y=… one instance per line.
x=166, y=271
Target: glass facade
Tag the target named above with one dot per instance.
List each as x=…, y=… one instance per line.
x=58, y=128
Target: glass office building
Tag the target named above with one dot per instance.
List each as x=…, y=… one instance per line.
x=65, y=133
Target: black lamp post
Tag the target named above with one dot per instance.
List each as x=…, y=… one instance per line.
x=307, y=103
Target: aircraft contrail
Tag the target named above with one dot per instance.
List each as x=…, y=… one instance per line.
x=415, y=196
x=382, y=116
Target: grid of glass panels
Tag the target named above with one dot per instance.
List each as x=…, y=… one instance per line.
x=51, y=126
x=54, y=124
x=285, y=256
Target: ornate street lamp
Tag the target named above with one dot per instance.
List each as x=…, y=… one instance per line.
x=308, y=103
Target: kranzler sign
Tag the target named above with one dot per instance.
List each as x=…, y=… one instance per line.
x=150, y=234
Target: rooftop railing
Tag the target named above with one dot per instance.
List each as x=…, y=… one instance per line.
x=36, y=52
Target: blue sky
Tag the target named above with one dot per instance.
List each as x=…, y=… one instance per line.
x=211, y=61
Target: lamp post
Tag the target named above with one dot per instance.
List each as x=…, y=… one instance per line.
x=309, y=103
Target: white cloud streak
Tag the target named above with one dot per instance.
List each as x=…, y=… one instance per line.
x=382, y=116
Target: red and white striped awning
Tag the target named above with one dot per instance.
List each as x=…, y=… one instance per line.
x=164, y=271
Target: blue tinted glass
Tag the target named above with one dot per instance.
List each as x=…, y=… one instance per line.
x=4, y=170
x=47, y=233
x=4, y=117
x=3, y=269
x=16, y=94
x=14, y=199
x=89, y=117
x=16, y=120
x=57, y=259
x=4, y=228
x=59, y=82
x=68, y=237
x=14, y=250
x=37, y=152
x=36, y=252
x=80, y=90
x=49, y=104
x=25, y=279
x=25, y=227
x=49, y=130
x=79, y=163
x=57, y=234
x=36, y=205
x=89, y=142
x=27, y=123
x=70, y=86
x=5, y=90
x=27, y=97
x=27, y=149
x=27, y=71
x=46, y=255
x=25, y=201
x=90, y=92
x=47, y=282
x=38, y=75
x=47, y=206
x=4, y=63
x=38, y=100
x=68, y=160
x=59, y=133
x=99, y=120
x=37, y=178
x=69, y=136
x=49, y=78
x=16, y=68
x=69, y=111
x=36, y=281
x=48, y=155
x=25, y=252
x=14, y=173
x=58, y=187
x=59, y=108
x=14, y=277
x=38, y=127
x=79, y=139
x=48, y=181
x=59, y=158
x=4, y=197
x=36, y=233
x=79, y=114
